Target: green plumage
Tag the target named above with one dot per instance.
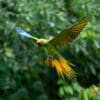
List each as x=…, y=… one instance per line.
x=54, y=58
x=68, y=35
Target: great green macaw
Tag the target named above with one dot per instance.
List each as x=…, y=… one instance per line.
x=54, y=59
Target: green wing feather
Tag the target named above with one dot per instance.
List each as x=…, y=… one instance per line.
x=69, y=34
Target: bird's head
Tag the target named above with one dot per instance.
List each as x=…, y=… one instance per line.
x=41, y=42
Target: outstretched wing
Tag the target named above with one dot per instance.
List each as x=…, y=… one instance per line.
x=23, y=33
x=69, y=34
x=20, y=31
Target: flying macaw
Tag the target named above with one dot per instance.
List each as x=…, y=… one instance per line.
x=54, y=59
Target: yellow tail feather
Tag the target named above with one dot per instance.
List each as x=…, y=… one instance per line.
x=62, y=66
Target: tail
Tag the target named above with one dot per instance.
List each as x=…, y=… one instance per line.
x=62, y=66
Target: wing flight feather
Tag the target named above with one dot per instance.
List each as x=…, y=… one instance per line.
x=68, y=35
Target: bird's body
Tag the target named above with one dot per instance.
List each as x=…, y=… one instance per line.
x=54, y=59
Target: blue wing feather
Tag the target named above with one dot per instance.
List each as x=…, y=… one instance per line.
x=23, y=33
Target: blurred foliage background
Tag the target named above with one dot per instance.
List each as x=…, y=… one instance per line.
x=23, y=75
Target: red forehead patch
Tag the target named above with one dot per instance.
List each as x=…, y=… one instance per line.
x=40, y=43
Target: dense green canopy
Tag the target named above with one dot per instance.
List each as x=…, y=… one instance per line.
x=23, y=74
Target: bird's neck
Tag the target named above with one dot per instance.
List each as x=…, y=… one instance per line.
x=42, y=42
